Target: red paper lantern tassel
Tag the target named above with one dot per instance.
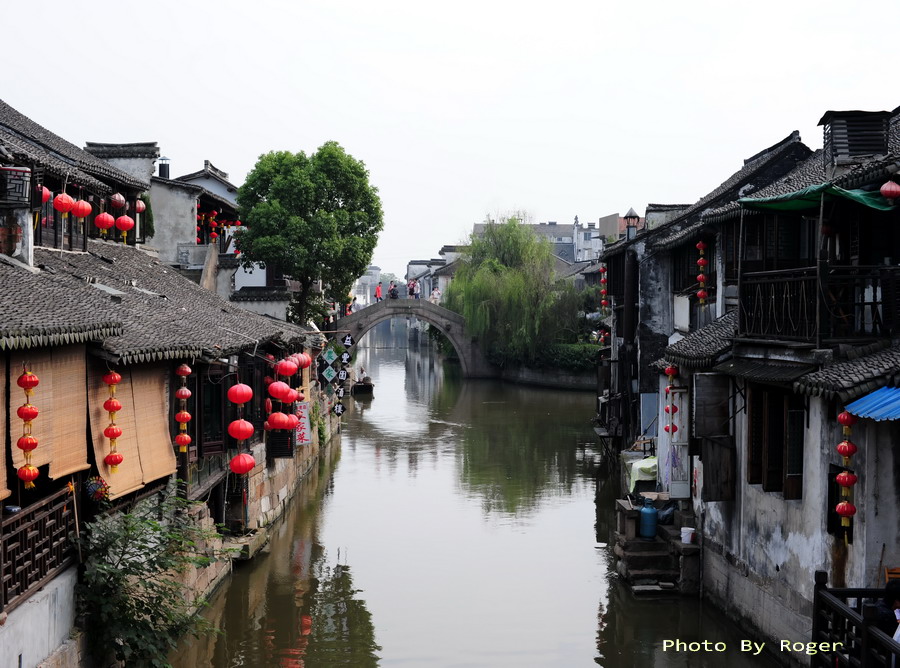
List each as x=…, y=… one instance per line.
x=27, y=474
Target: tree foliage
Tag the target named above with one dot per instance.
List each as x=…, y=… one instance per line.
x=505, y=289
x=131, y=591
x=310, y=217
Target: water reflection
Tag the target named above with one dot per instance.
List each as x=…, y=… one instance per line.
x=457, y=529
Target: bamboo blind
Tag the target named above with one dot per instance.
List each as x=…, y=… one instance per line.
x=69, y=418
x=39, y=362
x=148, y=387
x=4, y=492
x=129, y=476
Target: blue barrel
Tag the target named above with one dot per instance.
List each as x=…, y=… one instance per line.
x=649, y=518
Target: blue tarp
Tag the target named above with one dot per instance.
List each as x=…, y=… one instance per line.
x=882, y=404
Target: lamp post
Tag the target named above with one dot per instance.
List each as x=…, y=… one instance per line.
x=631, y=223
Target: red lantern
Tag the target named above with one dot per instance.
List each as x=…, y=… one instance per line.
x=112, y=405
x=183, y=417
x=845, y=479
x=603, y=281
x=45, y=194
x=117, y=201
x=240, y=393
x=183, y=393
x=285, y=368
x=293, y=421
x=198, y=240
x=890, y=191
x=671, y=409
x=845, y=509
x=237, y=223
x=63, y=203
x=183, y=370
x=241, y=430
x=847, y=419
x=604, y=302
x=81, y=209
x=27, y=443
x=183, y=440
x=671, y=370
x=603, y=270
x=123, y=224
x=112, y=460
x=701, y=246
x=603, y=291
x=242, y=463
x=279, y=390
x=278, y=420
x=139, y=206
x=112, y=431
x=104, y=221
x=267, y=426
x=213, y=214
x=670, y=428
x=846, y=448
x=213, y=235
x=701, y=278
x=27, y=474
x=27, y=412
x=702, y=262
x=27, y=381
x=291, y=396
x=112, y=378
x=268, y=405
x=305, y=360
x=702, y=294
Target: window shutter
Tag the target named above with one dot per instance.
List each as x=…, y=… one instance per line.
x=773, y=448
x=280, y=443
x=719, y=468
x=712, y=404
x=756, y=435
x=793, y=455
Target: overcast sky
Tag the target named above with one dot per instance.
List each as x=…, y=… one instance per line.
x=457, y=109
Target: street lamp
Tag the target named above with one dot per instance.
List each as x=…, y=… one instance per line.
x=631, y=223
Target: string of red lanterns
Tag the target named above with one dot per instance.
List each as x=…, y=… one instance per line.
x=846, y=449
x=27, y=413
x=113, y=432
x=670, y=408
x=240, y=429
x=182, y=417
x=604, y=298
x=702, y=262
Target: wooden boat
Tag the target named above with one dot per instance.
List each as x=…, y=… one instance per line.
x=363, y=388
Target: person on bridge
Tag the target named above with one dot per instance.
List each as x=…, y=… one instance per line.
x=393, y=292
x=435, y=297
x=378, y=296
x=417, y=289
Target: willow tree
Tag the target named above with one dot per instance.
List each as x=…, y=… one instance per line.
x=312, y=218
x=506, y=290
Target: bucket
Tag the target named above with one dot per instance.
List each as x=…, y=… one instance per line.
x=687, y=534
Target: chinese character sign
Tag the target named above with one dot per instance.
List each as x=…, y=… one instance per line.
x=304, y=435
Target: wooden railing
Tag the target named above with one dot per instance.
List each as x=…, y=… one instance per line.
x=792, y=306
x=35, y=545
x=845, y=631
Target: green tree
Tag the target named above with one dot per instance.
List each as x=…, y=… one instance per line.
x=132, y=590
x=311, y=217
x=506, y=290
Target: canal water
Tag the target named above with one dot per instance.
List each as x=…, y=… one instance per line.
x=454, y=525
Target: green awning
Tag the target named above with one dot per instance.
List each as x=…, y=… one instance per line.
x=810, y=197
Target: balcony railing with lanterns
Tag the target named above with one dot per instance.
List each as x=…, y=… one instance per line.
x=847, y=303
x=66, y=221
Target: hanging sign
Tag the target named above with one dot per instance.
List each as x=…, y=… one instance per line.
x=345, y=357
x=338, y=409
x=339, y=392
x=304, y=432
x=328, y=374
x=330, y=356
x=348, y=341
x=342, y=375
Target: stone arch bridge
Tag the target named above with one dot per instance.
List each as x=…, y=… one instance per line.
x=451, y=324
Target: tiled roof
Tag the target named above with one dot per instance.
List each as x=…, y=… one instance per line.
x=260, y=294
x=27, y=152
x=43, y=309
x=49, y=150
x=163, y=314
x=853, y=378
x=147, y=149
x=688, y=224
x=703, y=347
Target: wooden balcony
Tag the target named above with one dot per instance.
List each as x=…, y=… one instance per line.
x=854, y=303
x=35, y=545
x=844, y=622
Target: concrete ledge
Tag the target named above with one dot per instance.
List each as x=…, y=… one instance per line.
x=246, y=547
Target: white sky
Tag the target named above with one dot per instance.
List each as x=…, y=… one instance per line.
x=458, y=109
